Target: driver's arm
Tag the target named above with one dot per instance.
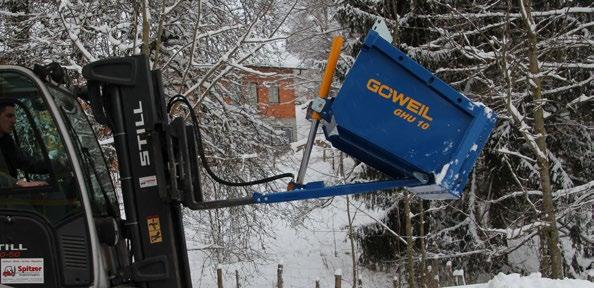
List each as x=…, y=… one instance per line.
x=7, y=181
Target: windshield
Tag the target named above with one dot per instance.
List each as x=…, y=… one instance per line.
x=35, y=171
x=103, y=198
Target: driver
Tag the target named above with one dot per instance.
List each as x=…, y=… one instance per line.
x=12, y=158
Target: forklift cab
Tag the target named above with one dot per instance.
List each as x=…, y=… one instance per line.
x=63, y=231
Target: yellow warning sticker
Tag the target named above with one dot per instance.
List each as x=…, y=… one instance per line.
x=154, y=229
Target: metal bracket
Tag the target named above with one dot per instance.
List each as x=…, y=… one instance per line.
x=147, y=270
x=318, y=104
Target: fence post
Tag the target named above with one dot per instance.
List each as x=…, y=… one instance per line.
x=435, y=279
x=317, y=283
x=219, y=277
x=459, y=277
x=236, y=279
x=337, y=278
x=279, y=276
x=449, y=274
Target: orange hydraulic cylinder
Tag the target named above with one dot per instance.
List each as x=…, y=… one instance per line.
x=335, y=48
x=331, y=65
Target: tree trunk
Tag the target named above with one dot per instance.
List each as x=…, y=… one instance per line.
x=422, y=244
x=145, y=28
x=551, y=232
x=409, y=243
x=352, y=240
x=159, y=34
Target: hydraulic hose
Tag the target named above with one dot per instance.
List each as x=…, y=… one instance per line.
x=183, y=99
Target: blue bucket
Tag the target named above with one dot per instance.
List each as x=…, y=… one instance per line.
x=394, y=115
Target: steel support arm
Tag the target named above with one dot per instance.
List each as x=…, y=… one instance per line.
x=311, y=190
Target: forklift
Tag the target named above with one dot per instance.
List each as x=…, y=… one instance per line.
x=68, y=230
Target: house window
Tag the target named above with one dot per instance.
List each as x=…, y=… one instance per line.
x=252, y=93
x=273, y=93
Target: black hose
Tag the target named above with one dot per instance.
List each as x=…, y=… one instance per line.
x=183, y=99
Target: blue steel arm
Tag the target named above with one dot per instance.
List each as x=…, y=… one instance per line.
x=317, y=190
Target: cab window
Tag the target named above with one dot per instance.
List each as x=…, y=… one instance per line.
x=97, y=175
x=35, y=169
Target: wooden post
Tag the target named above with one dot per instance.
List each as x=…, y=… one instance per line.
x=337, y=278
x=279, y=276
x=219, y=277
x=236, y=279
x=317, y=283
x=449, y=274
x=436, y=274
x=429, y=277
x=459, y=277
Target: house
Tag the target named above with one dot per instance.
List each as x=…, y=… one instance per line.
x=274, y=91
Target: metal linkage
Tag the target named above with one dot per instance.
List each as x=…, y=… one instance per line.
x=315, y=116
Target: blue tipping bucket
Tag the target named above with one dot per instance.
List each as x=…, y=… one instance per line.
x=394, y=115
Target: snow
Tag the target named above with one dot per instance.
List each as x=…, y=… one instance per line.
x=315, y=250
x=534, y=280
x=582, y=98
x=444, y=170
x=106, y=141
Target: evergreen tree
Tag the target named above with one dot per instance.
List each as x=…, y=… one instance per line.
x=481, y=49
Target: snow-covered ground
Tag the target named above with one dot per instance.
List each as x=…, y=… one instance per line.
x=314, y=251
x=532, y=281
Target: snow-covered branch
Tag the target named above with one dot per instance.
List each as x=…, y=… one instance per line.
x=556, y=12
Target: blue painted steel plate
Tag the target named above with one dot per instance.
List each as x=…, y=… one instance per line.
x=396, y=116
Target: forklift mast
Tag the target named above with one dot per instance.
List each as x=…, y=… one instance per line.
x=126, y=96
